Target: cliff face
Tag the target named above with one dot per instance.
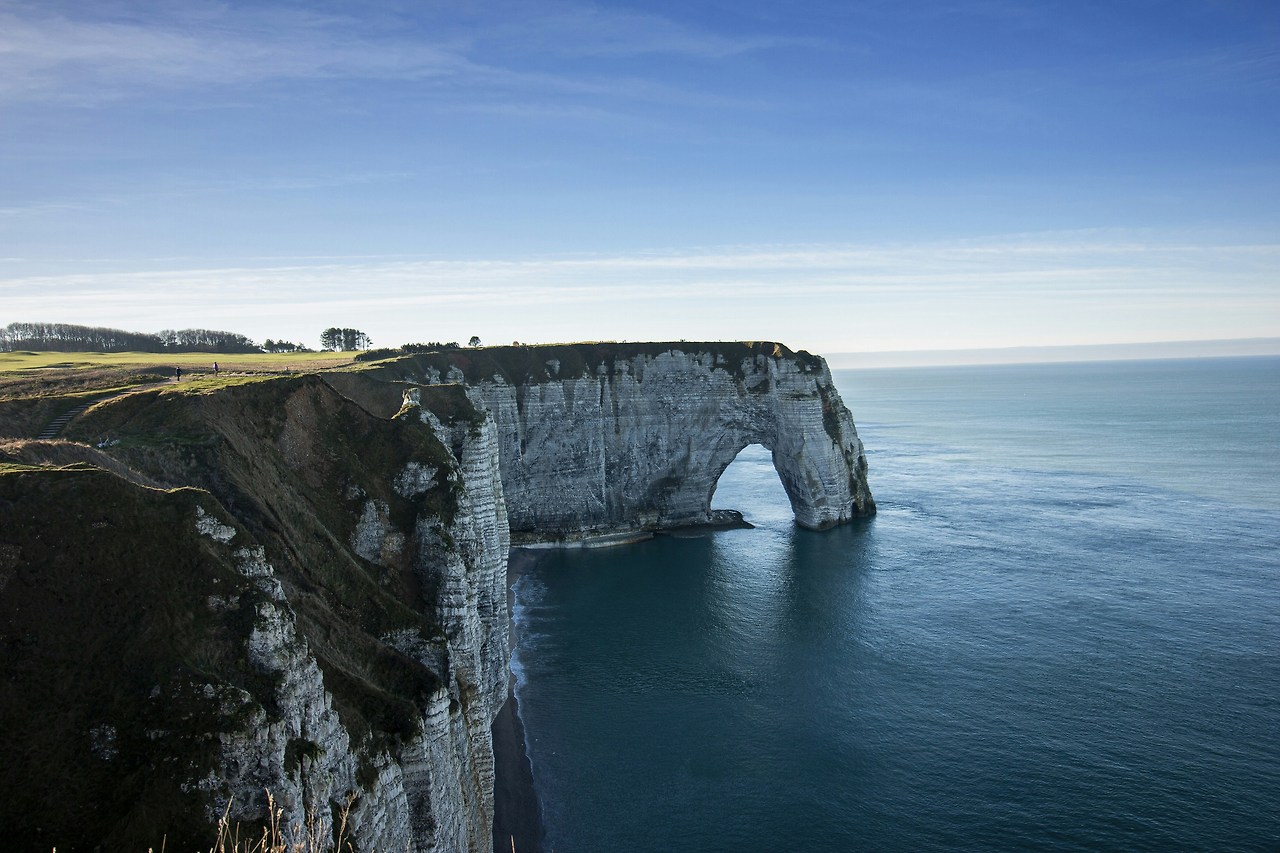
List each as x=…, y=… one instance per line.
x=272, y=589
x=614, y=440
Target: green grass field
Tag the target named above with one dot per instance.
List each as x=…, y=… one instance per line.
x=193, y=361
x=36, y=387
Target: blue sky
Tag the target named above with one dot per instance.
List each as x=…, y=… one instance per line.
x=840, y=176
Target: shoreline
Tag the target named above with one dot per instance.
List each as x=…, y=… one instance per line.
x=517, y=811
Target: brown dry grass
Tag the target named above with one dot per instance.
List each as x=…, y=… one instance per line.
x=317, y=837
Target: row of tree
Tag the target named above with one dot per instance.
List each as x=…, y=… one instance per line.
x=205, y=340
x=283, y=346
x=438, y=345
x=68, y=337
x=334, y=338
x=344, y=340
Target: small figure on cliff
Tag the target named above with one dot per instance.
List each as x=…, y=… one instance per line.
x=177, y=374
x=215, y=368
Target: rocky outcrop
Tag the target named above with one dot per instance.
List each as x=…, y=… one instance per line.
x=312, y=602
x=608, y=441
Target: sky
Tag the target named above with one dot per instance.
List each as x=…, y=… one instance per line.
x=858, y=176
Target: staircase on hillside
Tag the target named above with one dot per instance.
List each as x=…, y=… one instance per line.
x=58, y=424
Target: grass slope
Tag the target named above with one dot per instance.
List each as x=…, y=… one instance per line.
x=105, y=631
x=104, y=587
x=37, y=387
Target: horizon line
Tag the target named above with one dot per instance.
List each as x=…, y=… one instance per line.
x=1058, y=353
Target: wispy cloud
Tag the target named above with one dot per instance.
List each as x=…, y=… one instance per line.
x=1048, y=258
x=49, y=54
x=43, y=209
x=87, y=53
x=1053, y=287
x=1219, y=69
x=593, y=30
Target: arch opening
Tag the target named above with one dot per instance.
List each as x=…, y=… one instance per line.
x=750, y=484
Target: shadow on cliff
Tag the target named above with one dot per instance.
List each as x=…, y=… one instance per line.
x=125, y=628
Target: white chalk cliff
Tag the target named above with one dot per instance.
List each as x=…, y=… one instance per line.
x=615, y=440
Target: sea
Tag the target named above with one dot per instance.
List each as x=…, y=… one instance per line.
x=1060, y=632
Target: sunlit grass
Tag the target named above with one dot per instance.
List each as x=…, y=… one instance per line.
x=252, y=361
x=207, y=383
x=64, y=378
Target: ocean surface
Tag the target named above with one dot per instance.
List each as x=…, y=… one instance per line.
x=1061, y=632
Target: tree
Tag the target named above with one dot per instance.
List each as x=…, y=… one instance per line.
x=353, y=339
x=283, y=346
x=334, y=338
x=206, y=340
x=475, y=341
x=67, y=337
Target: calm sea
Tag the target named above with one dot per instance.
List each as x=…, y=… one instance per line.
x=1061, y=632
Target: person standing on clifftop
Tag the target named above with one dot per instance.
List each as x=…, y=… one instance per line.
x=177, y=374
x=215, y=368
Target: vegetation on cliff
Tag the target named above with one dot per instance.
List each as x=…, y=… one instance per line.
x=125, y=628
x=535, y=364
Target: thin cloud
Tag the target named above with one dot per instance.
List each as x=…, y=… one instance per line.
x=75, y=56
x=808, y=270
x=1242, y=66
x=590, y=30
x=826, y=298
x=43, y=209
x=49, y=54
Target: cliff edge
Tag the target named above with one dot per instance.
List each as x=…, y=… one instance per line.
x=247, y=587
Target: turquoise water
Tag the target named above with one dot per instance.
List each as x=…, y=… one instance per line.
x=1061, y=632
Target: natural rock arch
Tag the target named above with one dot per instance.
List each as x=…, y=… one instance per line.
x=605, y=441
